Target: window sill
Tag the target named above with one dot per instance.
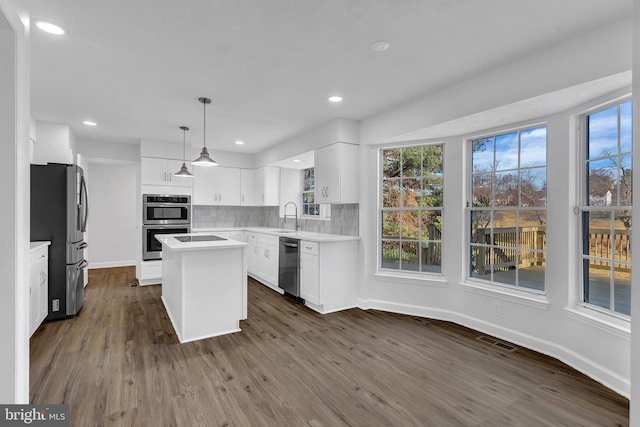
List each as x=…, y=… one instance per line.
x=605, y=322
x=518, y=296
x=422, y=279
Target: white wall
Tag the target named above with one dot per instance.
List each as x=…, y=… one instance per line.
x=112, y=151
x=337, y=130
x=635, y=290
x=112, y=224
x=549, y=324
x=14, y=253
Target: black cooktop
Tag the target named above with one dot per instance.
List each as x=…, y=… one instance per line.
x=207, y=238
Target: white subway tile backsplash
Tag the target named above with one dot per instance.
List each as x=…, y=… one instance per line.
x=344, y=218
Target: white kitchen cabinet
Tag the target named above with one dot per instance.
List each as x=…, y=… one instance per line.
x=155, y=171
x=266, y=186
x=38, y=287
x=328, y=275
x=253, y=260
x=216, y=186
x=247, y=192
x=309, y=272
x=336, y=173
x=263, y=258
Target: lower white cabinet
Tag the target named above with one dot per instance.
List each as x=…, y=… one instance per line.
x=309, y=272
x=38, y=287
x=263, y=258
x=328, y=275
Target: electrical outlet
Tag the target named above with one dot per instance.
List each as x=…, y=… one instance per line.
x=497, y=309
x=55, y=305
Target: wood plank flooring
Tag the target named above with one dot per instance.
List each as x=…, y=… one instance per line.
x=119, y=363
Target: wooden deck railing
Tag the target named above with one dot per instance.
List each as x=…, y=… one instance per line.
x=533, y=245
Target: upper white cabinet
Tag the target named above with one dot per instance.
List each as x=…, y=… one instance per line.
x=155, y=171
x=336, y=173
x=53, y=143
x=266, y=186
x=216, y=186
x=247, y=193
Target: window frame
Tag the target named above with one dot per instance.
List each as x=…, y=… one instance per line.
x=469, y=176
x=582, y=207
x=412, y=275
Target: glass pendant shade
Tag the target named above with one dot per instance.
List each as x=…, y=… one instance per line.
x=183, y=169
x=204, y=159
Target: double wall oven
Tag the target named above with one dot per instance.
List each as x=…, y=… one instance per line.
x=163, y=214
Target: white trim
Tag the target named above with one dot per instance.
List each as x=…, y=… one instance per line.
x=506, y=293
x=422, y=279
x=590, y=368
x=111, y=264
x=603, y=321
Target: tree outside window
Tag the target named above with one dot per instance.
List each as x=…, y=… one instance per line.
x=411, y=211
x=309, y=207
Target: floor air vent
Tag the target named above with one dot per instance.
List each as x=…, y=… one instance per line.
x=491, y=341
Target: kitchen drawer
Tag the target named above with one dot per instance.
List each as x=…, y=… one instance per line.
x=151, y=270
x=268, y=240
x=311, y=248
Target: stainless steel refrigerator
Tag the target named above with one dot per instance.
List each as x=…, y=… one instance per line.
x=59, y=214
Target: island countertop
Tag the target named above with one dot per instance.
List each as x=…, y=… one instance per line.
x=169, y=241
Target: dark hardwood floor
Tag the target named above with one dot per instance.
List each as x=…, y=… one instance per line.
x=120, y=363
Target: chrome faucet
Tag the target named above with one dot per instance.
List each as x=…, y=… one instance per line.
x=285, y=214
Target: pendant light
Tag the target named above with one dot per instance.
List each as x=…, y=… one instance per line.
x=183, y=169
x=204, y=159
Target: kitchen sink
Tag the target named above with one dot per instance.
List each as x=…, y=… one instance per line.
x=284, y=231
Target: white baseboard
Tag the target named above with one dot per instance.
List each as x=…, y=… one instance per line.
x=111, y=264
x=588, y=367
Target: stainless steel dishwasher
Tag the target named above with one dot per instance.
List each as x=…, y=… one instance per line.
x=289, y=266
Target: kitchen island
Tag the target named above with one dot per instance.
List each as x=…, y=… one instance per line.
x=204, y=284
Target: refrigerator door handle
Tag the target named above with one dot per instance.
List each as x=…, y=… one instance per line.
x=84, y=203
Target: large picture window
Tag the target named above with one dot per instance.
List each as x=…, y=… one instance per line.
x=411, y=211
x=606, y=209
x=507, y=208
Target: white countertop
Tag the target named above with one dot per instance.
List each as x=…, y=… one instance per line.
x=302, y=235
x=34, y=246
x=169, y=241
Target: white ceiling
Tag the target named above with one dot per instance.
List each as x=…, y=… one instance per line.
x=138, y=67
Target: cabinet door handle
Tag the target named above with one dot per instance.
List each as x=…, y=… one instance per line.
x=220, y=197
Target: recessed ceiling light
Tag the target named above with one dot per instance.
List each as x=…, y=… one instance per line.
x=335, y=98
x=296, y=160
x=239, y=142
x=89, y=123
x=380, y=45
x=50, y=28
